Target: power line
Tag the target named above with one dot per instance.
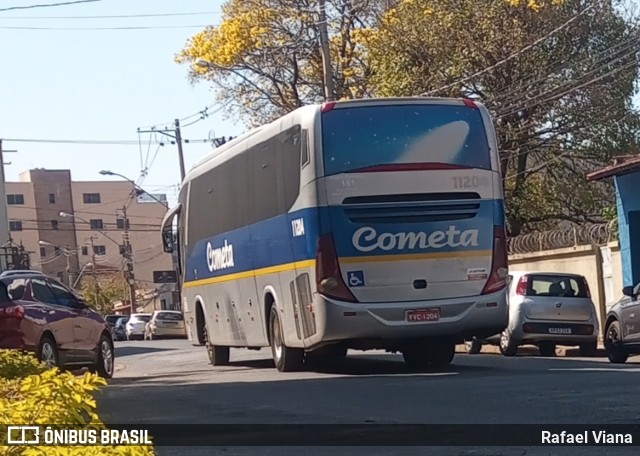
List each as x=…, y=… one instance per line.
x=514, y=55
x=141, y=27
x=99, y=142
x=47, y=5
x=118, y=16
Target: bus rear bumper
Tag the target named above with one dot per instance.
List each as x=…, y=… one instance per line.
x=460, y=319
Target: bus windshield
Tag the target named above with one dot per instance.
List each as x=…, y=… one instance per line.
x=390, y=137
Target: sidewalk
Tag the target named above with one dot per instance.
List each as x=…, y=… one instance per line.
x=533, y=351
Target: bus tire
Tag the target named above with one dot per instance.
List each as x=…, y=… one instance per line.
x=416, y=357
x=441, y=353
x=218, y=355
x=285, y=358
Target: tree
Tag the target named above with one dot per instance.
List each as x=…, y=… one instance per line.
x=558, y=75
x=103, y=290
x=264, y=58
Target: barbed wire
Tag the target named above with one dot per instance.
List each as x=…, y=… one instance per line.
x=588, y=234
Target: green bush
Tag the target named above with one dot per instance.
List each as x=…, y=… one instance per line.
x=32, y=394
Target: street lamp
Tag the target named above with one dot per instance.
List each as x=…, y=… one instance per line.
x=136, y=186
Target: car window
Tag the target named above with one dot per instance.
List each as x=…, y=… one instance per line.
x=170, y=316
x=64, y=296
x=15, y=288
x=557, y=286
x=42, y=292
x=144, y=318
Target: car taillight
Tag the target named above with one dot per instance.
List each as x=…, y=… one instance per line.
x=12, y=312
x=521, y=289
x=328, y=276
x=499, y=263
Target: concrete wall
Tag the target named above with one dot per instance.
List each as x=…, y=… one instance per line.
x=601, y=266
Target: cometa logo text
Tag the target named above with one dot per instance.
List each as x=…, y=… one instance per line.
x=219, y=258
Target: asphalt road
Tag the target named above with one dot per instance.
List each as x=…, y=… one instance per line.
x=172, y=382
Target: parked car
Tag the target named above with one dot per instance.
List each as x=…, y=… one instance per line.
x=622, y=330
x=136, y=325
x=120, y=330
x=165, y=323
x=41, y=315
x=546, y=309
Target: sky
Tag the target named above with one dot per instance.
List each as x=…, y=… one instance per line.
x=102, y=85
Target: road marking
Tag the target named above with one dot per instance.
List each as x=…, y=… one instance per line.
x=598, y=369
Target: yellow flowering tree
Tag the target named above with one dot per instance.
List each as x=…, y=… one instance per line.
x=264, y=58
x=558, y=75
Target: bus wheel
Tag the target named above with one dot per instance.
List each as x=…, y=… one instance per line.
x=441, y=353
x=218, y=356
x=416, y=356
x=285, y=358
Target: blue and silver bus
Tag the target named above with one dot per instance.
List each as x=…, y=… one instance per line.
x=362, y=224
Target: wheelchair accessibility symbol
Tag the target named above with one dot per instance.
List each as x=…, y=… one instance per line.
x=356, y=278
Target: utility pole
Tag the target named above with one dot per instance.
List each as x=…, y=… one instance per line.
x=177, y=136
x=180, y=154
x=127, y=254
x=4, y=218
x=96, y=287
x=326, y=53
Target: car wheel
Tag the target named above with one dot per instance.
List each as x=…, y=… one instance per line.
x=547, y=349
x=589, y=349
x=106, y=358
x=614, y=345
x=473, y=347
x=218, y=356
x=48, y=352
x=285, y=358
x=508, y=346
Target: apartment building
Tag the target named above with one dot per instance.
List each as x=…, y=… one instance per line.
x=71, y=228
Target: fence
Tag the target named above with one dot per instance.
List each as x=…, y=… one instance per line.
x=590, y=234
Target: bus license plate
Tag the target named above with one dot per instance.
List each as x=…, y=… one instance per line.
x=559, y=330
x=421, y=315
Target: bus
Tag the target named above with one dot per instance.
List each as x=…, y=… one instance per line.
x=373, y=224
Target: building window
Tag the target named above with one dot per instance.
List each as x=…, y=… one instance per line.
x=15, y=199
x=91, y=198
x=85, y=250
x=120, y=224
x=15, y=225
x=43, y=252
x=99, y=250
x=96, y=224
x=52, y=198
x=54, y=225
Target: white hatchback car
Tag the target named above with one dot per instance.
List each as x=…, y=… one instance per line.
x=165, y=323
x=136, y=325
x=547, y=309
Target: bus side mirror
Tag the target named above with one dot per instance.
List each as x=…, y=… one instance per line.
x=167, y=239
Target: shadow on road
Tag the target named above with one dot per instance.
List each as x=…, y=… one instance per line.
x=517, y=391
x=122, y=352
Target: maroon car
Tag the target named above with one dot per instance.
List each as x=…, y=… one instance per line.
x=40, y=315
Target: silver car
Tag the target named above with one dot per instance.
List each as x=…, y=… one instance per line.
x=547, y=309
x=165, y=323
x=136, y=325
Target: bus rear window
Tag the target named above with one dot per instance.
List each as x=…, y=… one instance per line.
x=354, y=139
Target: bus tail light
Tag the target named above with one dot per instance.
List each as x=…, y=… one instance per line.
x=328, y=276
x=499, y=262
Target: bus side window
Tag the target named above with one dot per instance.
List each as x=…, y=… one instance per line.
x=305, y=149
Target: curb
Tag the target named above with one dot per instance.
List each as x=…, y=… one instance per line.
x=533, y=351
